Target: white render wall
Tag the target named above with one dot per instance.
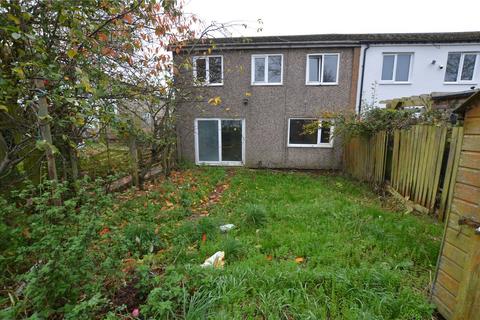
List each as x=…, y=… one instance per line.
x=425, y=77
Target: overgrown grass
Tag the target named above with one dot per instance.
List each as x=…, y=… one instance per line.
x=327, y=250
x=304, y=247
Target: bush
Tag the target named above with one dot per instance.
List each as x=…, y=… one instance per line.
x=58, y=267
x=256, y=215
x=374, y=120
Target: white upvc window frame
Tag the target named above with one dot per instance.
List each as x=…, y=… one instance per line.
x=321, y=83
x=410, y=68
x=319, y=134
x=220, y=162
x=460, y=68
x=207, y=70
x=265, y=57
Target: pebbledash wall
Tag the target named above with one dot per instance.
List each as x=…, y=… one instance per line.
x=427, y=70
x=269, y=107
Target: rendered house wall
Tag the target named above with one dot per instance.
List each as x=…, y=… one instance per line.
x=269, y=107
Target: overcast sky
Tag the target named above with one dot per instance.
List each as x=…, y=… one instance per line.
x=283, y=17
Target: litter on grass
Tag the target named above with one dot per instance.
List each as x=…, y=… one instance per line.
x=216, y=261
x=227, y=227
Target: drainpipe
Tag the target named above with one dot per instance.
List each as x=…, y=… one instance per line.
x=361, y=79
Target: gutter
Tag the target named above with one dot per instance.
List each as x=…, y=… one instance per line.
x=255, y=46
x=248, y=44
x=362, y=78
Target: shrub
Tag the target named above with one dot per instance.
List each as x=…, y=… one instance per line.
x=256, y=215
x=374, y=120
x=58, y=265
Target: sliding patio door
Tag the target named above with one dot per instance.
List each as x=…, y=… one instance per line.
x=219, y=141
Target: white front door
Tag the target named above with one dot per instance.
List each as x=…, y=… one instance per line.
x=220, y=141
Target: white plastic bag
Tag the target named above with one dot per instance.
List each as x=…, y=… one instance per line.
x=227, y=227
x=216, y=261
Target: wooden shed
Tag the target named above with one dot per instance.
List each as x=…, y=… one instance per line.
x=456, y=288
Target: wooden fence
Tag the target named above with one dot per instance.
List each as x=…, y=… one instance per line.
x=365, y=158
x=417, y=161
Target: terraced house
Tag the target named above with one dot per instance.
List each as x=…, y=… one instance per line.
x=252, y=97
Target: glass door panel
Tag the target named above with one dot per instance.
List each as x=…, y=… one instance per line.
x=208, y=142
x=232, y=140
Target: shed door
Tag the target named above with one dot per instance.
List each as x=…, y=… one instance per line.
x=456, y=291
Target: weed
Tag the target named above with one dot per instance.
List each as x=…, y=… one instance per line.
x=255, y=215
x=141, y=239
x=233, y=248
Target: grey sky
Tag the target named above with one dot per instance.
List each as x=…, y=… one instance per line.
x=338, y=16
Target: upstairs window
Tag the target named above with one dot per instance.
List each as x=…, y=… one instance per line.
x=307, y=132
x=396, y=67
x=267, y=69
x=208, y=70
x=460, y=66
x=322, y=68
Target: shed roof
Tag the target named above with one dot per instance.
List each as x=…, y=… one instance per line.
x=469, y=103
x=453, y=95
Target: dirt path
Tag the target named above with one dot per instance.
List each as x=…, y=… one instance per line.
x=215, y=196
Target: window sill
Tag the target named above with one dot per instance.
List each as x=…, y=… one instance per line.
x=325, y=146
x=321, y=84
x=209, y=85
x=265, y=84
x=395, y=82
x=219, y=163
x=464, y=83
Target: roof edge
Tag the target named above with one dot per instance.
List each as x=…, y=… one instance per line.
x=467, y=104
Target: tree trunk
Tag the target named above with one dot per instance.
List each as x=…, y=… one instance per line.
x=132, y=146
x=47, y=136
x=107, y=144
x=74, y=163
x=45, y=130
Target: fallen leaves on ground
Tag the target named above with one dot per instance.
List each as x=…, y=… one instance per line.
x=299, y=260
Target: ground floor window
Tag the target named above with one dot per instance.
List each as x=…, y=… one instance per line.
x=310, y=132
x=219, y=141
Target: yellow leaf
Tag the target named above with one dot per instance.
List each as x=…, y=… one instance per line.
x=19, y=72
x=3, y=108
x=13, y=18
x=299, y=260
x=80, y=121
x=216, y=101
x=71, y=53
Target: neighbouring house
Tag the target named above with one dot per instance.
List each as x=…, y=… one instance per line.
x=250, y=98
x=403, y=65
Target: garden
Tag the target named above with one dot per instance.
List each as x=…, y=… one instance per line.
x=304, y=246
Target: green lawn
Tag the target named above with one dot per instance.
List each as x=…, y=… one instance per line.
x=305, y=247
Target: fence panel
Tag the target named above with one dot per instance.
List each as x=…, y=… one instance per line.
x=365, y=158
x=416, y=163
